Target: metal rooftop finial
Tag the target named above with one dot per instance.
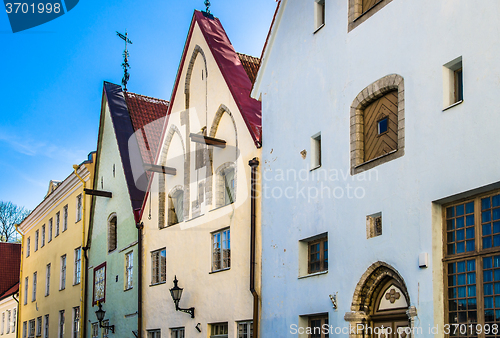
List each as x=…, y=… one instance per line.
x=125, y=64
x=207, y=3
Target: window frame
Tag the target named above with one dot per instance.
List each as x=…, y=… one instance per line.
x=477, y=255
x=79, y=208
x=323, y=318
x=77, y=273
x=94, y=330
x=65, y=218
x=33, y=292
x=213, y=235
x=356, y=15
x=175, y=332
x=46, y=326
x=62, y=275
x=58, y=223
x=218, y=335
x=103, y=299
x=43, y=236
x=47, y=279
x=61, y=324
x=51, y=224
x=39, y=326
x=26, y=286
x=129, y=271
x=158, y=273
x=37, y=236
x=75, y=331
x=28, y=240
x=31, y=328
x=249, y=326
x=321, y=241
x=112, y=231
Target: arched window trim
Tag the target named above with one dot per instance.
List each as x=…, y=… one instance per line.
x=369, y=94
x=221, y=184
x=112, y=233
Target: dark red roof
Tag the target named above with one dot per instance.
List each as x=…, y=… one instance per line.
x=130, y=113
x=12, y=291
x=148, y=116
x=10, y=264
x=251, y=65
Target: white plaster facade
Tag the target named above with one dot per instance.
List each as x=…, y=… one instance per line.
x=8, y=316
x=307, y=84
x=222, y=296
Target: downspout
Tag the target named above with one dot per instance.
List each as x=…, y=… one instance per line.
x=18, y=319
x=139, y=227
x=83, y=272
x=253, y=163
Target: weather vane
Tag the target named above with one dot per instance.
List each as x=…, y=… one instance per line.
x=125, y=64
x=207, y=3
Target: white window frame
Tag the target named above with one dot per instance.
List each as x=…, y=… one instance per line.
x=94, y=330
x=14, y=320
x=154, y=333
x=249, y=328
x=217, y=334
x=158, y=266
x=46, y=327
x=319, y=14
x=129, y=270
x=316, y=151
x=78, y=266
x=37, y=235
x=78, y=208
x=3, y=323
x=221, y=240
x=65, y=218
x=33, y=296
x=51, y=223
x=43, y=236
x=61, y=324
x=39, y=326
x=31, y=327
x=26, y=285
x=178, y=332
x=9, y=322
x=76, y=322
x=62, y=279
x=25, y=329
x=47, y=280
x=28, y=240
x=58, y=223
x=105, y=330
x=450, y=97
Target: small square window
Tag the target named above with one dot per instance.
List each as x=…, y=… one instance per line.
x=383, y=125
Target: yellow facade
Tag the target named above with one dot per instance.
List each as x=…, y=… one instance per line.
x=53, y=235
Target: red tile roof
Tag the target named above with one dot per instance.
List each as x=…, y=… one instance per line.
x=10, y=264
x=251, y=65
x=13, y=290
x=148, y=116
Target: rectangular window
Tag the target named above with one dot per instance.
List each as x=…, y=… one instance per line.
x=33, y=297
x=58, y=221
x=61, y=324
x=65, y=218
x=32, y=328
x=316, y=151
x=28, y=247
x=155, y=334
x=47, y=280
x=39, y=326
x=76, y=322
x=9, y=322
x=14, y=320
x=78, y=265
x=112, y=235
x=3, y=323
x=95, y=330
x=318, y=255
x=221, y=250
x=25, y=329
x=105, y=331
x=43, y=236
x=319, y=14
x=472, y=262
x=158, y=266
x=218, y=330
x=79, y=208
x=175, y=333
x=316, y=324
x=50, y=230
x=26, y=281
x=99, y=283
x=37, y=235
x=453, y=84
x=46, y=327
x=62, y=284
x=129, y=270
x=245, y=329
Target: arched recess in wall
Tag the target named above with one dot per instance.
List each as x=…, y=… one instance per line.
x=225, y=184
x=381, y=299
x=173, y=130
x=377, y=120
x=197, y=50
x=112, y=232
x=175, y=205
x=231, y=148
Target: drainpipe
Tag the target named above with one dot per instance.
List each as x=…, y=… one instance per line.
x=18, y=319
x=253, y=163
x=82, y=255
x=139, y=227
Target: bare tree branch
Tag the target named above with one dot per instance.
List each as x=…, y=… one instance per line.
x=10, y=214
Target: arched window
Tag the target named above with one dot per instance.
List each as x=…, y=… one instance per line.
x=228, y=176
x=176, y=207
x=112, y=234
x=377, y=124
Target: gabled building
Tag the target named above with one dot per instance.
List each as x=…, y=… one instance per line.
x=10, y=264
x=52, y=279
x=201, y=225
x=382, y=211
x=129, y=133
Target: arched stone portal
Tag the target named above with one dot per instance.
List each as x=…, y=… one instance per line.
x=381, y=305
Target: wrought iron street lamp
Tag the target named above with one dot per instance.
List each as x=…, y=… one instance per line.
x=176, y=293
x=100, y=313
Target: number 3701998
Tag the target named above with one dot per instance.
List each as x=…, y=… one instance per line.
x=25, y=8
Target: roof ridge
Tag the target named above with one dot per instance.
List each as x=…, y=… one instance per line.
x=148, y=97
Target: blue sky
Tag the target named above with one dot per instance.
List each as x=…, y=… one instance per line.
x=52, y=77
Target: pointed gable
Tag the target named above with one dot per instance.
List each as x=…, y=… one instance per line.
x=137, y=123
x=232, y=70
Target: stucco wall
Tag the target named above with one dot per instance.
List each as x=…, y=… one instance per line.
x=308, y=86
x=8, y=324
